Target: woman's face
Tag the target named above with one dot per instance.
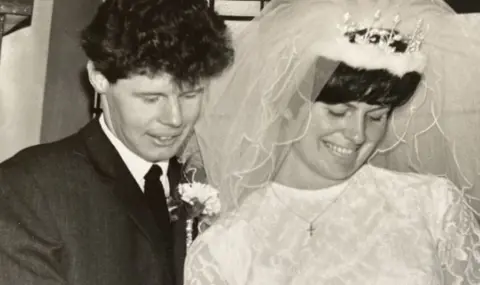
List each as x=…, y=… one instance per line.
x=339, y=140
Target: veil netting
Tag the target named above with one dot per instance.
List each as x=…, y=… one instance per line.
x=261, y=105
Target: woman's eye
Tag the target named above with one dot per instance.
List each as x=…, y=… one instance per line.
x=337, y=114
x=378, y=118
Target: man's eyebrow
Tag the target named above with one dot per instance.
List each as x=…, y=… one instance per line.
x=153, y=93
x=199, y=89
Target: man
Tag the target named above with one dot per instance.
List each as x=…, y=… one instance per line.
x=90, y=209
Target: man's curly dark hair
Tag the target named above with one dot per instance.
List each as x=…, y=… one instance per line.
x=182, y=38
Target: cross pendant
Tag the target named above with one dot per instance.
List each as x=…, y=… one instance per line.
x=311, y=229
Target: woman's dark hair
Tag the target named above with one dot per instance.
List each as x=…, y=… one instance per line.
x=183, y=38
x=375, y=87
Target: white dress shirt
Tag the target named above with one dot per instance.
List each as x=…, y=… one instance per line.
x=137, y=166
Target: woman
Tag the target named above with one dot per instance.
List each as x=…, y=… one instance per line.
x=288, y=134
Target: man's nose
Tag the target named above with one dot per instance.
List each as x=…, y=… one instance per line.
x=171, y=113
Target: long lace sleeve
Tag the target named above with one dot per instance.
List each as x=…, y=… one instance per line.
x=201, y=268
x=458, y=237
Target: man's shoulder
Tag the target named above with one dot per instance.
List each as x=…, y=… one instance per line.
x=45, y=156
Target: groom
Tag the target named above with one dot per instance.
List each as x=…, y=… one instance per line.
x=91, y=209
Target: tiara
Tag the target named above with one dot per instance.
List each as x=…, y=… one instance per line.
x=373, y=47
x=387, y=39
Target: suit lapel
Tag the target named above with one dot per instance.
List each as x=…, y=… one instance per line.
x=175, y=177
x=108, y=162
x=128, y=191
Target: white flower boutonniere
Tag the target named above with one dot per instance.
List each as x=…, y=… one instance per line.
x=202, y=197
x=203, y=203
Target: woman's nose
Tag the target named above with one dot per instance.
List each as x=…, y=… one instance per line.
x=355, y=130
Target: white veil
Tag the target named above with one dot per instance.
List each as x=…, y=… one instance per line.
x=253, y=112
x=438, y=132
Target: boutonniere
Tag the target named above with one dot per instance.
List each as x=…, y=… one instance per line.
x=201, y=202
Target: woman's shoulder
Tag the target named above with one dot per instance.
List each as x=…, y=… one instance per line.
x=407, y=180
x=423, y=196
x=425, y=189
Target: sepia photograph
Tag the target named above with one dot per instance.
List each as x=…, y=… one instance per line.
x=239, y=142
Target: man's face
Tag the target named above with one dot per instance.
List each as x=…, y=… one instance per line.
x=151, y=115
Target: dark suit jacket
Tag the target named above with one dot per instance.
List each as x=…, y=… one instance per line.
x=71, y=213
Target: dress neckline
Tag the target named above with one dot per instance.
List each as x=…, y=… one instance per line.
x=307, y=194
x=328, y=193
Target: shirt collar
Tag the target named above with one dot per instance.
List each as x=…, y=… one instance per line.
x=137, y=166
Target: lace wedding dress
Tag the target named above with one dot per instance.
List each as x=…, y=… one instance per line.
x=380, y=227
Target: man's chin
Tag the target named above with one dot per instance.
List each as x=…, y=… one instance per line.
x=163, y=155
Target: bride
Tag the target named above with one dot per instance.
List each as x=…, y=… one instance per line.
x=319, y=88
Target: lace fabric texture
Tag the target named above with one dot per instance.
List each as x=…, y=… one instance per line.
x=385, y=228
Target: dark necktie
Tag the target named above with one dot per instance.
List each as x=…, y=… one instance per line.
x=155, y=194
x=157, y=202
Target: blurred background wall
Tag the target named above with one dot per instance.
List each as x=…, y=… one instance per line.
x=23, y=65
x=42, y=92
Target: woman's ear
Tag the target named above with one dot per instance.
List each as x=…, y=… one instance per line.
x=97, y=79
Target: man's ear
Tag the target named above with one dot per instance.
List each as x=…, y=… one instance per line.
x=97, y=79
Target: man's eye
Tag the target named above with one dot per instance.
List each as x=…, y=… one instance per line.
x=190, y=95
x=150, y=99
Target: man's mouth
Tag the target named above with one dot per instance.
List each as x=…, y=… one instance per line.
x=165, y=140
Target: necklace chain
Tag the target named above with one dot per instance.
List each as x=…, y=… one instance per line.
x=311, y=229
